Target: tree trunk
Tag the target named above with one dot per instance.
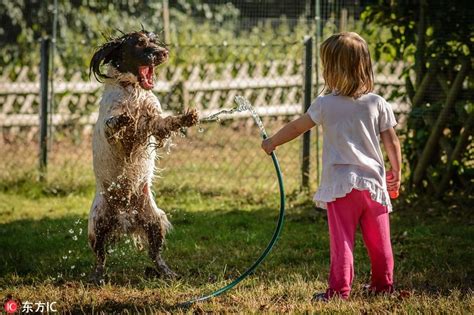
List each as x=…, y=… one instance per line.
x=420, y=45
x=456, y=154
x=425, y=83
x=433, y=139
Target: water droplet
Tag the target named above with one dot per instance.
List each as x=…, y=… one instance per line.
x=244, y=104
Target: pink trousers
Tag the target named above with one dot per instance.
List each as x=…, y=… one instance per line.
x=344, y=215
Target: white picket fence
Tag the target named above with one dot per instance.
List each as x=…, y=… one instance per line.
x=275, y=88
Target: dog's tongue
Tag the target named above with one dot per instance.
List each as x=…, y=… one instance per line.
x=145, y=79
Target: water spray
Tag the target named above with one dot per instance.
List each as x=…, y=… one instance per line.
x=244, y=105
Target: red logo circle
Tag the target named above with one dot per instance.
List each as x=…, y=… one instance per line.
x=11, y=306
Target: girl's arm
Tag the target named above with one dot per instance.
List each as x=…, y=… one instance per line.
x=288, y=133
x=392, y=147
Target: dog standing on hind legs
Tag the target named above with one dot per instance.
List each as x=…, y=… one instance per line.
x=129, y=128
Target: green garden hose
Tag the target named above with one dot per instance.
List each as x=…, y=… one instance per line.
x=267, y=250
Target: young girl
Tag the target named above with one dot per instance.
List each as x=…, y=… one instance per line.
x=354, y=187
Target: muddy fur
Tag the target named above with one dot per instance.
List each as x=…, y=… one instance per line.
x=129, y=130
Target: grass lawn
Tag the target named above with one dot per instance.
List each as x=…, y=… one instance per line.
x=222, y=221
x=45, y=256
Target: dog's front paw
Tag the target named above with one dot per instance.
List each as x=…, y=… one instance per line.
x=190, y=117
x=119, y=121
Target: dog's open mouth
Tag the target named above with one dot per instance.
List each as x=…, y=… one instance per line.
x=145, y=77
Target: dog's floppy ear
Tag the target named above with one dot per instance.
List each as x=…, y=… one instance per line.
x=103, y=56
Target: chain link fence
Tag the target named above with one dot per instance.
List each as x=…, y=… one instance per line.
x=215, y=156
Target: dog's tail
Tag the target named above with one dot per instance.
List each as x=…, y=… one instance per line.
x=163, y=218
x=165, y=223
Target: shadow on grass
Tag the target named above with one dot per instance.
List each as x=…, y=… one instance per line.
x=202, y=246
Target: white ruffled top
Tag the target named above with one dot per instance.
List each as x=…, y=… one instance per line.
x=352, y=158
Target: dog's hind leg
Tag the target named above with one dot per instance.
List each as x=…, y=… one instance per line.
x=155, y=231
x=155, y=247
x=99, y=232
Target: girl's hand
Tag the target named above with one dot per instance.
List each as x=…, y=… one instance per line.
x=393, y=180
x=288, y=132
x=268, y=146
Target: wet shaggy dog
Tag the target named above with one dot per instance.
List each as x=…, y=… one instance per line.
x=129, y=128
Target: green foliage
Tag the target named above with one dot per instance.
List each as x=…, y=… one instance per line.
x=448, y=29
x=432, y=38
x=82, y=25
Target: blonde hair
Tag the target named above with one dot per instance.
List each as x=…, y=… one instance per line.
x=347, y=67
